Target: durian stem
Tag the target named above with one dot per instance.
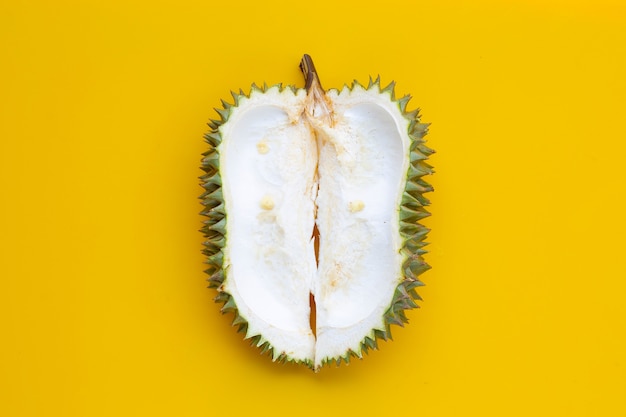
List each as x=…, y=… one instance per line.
x=310, y=75
x=317, y=107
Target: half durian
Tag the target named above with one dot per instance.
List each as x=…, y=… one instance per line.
x=313, y=200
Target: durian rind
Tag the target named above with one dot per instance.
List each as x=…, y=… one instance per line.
x=410, y=212
x=214, y=226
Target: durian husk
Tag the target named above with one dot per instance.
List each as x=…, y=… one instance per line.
x=411, y=211
x=214, y=226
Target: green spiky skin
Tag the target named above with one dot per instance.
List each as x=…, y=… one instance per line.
x=411, y=211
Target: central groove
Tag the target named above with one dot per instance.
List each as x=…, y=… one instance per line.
x=313, y=315
x=313, y=309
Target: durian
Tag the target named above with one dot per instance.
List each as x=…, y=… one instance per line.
x=312, y=201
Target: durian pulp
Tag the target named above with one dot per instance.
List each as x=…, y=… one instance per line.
x=284, y=170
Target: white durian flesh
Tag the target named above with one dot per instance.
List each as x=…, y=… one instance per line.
x=313, y=194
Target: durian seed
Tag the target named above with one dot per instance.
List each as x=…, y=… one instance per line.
x=356, y=205
x=267, y=203
x=262, y=147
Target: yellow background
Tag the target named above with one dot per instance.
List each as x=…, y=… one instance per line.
x=103, y=304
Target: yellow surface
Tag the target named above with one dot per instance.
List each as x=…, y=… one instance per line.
x=104, y=310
